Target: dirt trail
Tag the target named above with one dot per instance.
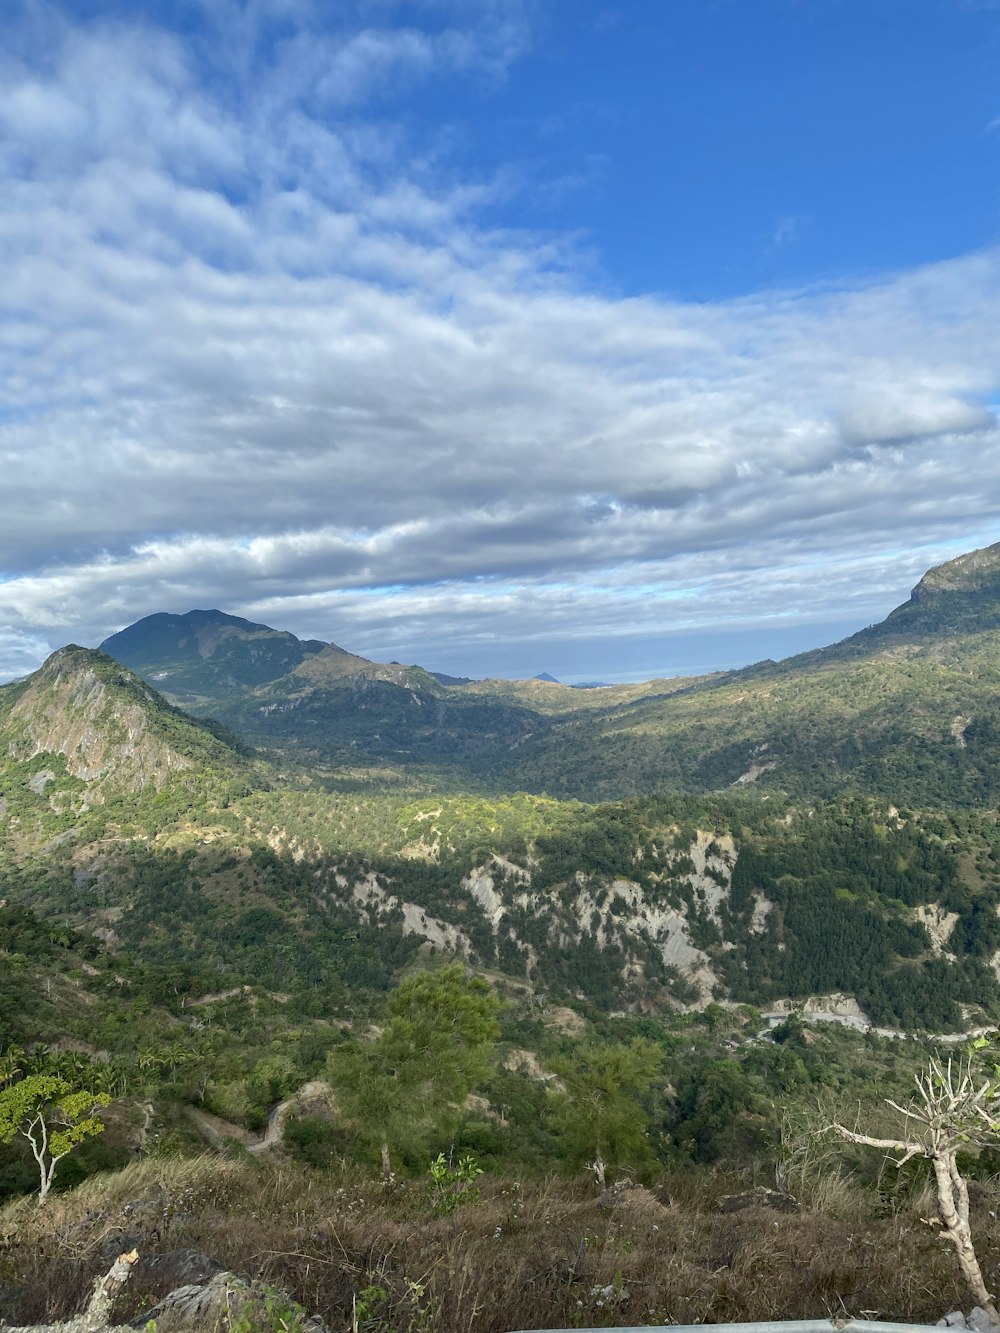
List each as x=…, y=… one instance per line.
x=218, y=1131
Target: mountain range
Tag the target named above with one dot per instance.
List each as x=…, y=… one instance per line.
x=215, y=793
x=903, y=708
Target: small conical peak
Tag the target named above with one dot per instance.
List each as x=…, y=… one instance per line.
x=73, y=659
x=113, y=730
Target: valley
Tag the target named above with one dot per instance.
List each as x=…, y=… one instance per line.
x=722, y=905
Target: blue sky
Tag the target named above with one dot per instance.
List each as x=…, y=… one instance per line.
x=499, y=335
x=705, y=149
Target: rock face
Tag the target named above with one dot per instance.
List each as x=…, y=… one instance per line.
x=108, y=728
x=72, y=708
x=973, y=572
x=960, y=596
x=199, y=1304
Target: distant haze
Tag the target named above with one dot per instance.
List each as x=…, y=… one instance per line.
x=628, y=661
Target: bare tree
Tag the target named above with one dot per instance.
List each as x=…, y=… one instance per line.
x=953, y=1111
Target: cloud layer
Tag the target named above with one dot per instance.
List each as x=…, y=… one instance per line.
x=263, y=349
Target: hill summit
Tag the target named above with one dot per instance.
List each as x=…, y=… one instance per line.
x=107, y=725
x=207, y=654
x=961, y=596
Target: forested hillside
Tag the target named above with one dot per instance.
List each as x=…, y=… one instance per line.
x=906, y=710
x=123, y=814
x=634, y=899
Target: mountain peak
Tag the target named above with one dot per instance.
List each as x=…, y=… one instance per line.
x=961, y=596
x=110, y=727
x=190, y=656
x=975, y=571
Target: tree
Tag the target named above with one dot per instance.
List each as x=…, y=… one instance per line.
x=11, y=1064
x=953, y=1112
x=414, y=1078
x=53, y=1116
x=598, y=1112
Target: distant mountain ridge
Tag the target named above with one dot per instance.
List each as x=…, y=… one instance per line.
x=280, y=691
x=197, y=653
x=912, y=700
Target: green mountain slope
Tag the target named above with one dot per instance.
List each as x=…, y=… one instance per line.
x=208, y=655
x=123, y=814
x=314, y=698
x=86, y=745
x=907, y=709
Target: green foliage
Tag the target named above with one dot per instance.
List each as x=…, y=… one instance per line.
x=603, y=1112
x=273, y=1312
x=451, y=1186
x=410, y=1082
x=315, y=1140
x=839, y=880
x=720, y=1112
x=53, y=1116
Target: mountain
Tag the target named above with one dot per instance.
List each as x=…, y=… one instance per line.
x=84, y=740
x=907, y=709
x=960, y=596
x=207, y=655
x=755, y=872
x=313, y=698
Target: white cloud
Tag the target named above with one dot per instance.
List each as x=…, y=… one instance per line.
x=260, y=353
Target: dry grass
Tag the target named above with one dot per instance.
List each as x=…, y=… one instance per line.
x=541, y=1255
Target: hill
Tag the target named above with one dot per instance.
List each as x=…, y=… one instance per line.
x=313, y=699
x=87, y=746
x=906, y=709
x=759, y=815
x=208, y=656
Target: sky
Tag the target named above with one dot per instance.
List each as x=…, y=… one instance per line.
x=502, y=336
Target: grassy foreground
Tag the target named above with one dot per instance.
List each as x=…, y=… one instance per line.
x=523, y=1255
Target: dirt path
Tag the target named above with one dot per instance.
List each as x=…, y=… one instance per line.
x=218, y=1131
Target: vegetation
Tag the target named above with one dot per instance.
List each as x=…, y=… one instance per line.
x=52, y=1116
x=508, y=942
x=412, y=1080
x=598, y=1113
x=955, y=1111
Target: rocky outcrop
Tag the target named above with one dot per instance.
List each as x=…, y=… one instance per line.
x=69, y=708
x=216, y=1299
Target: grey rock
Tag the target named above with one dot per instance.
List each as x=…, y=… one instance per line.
x=759, y=1198
x=198, y=1304
x=175, y=1268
